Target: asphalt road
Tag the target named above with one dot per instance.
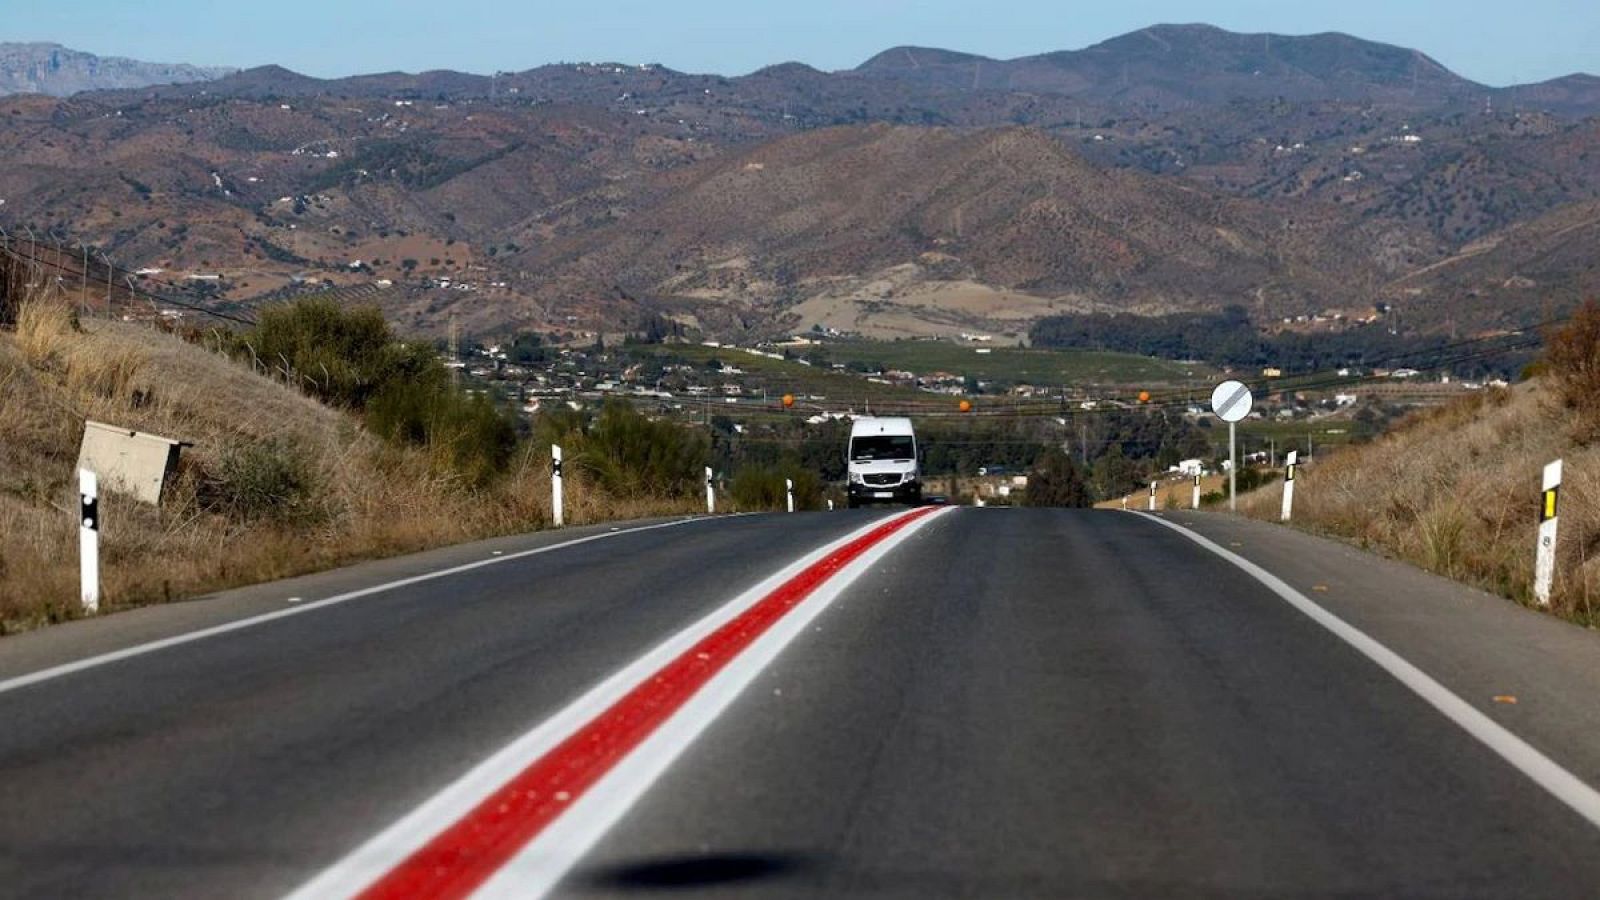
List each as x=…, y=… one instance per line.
x=1011, y=703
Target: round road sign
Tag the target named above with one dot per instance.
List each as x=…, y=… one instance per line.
x=1231, y=401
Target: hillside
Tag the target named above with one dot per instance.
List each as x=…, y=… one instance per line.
x=275, y=484
x=1455, y=491
x=1177, y=65
x=873, y=216
x=1527, y=272
x=59, y=71
x=570, y=196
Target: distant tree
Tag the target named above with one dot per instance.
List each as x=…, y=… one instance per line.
x=1057, y=481
x=1572, y=359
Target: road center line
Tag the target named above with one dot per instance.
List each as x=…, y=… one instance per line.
x=515, y=823
x=1544, y=771
x=53, y=672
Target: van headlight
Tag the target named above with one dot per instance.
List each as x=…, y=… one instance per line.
x=855, y=478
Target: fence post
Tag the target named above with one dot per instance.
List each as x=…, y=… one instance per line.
x=1544, y=565
x=788, y=491
x=711, y=492
x=556, y=511
x=1288, y=484
x=89, y=540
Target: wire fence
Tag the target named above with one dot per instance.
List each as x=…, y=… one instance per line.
x=78, y=273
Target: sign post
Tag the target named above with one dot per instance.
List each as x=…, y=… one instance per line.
x=89, y=540
x=1152, y=496
x=711, y=492
x=1544, y=565
x=555, y=486
x=1231, y=401
x=1195, y=503
x=788, y=491
x=1288, y=484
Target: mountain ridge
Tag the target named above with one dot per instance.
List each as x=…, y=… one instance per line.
x=50, y=68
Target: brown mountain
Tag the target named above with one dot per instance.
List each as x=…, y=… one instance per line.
x=1170, y=66
x=1527, y=273
x=871, y=215
x=1152, y=174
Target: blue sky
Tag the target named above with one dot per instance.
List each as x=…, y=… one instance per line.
x=1492, y=41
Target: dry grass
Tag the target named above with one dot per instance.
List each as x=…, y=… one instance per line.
x=1456, y=491
x=365, y=498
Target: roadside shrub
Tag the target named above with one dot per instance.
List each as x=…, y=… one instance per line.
x=762, y=487
x=1056, y=481
x=628, y=454
x=1572, y=358
x=340, y=356
x=257, y=481
x=463, y=435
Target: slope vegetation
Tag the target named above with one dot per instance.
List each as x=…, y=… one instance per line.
x=274, y=484
x=1456, y=491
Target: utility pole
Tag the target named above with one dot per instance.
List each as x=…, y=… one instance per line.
x=83, y=284
x=455, y=350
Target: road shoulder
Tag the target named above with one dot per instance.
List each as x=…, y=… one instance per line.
x=78, y=639
x=1532, y=673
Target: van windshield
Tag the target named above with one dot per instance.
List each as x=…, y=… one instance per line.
x=883, y=446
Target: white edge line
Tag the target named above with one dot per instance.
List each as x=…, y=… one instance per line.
x=53, y=672
x=378, y=855
x=1544, y=771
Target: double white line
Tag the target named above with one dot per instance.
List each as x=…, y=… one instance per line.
x=517, y=822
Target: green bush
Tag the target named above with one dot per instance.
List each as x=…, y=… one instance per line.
x=762, y=487
x=340, y=356
x=628, y=454
x=465, y=435
x=258, y=481
x=1056, y=481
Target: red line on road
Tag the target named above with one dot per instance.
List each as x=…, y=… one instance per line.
x=466, y=854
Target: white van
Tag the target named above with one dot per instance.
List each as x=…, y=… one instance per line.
x=882, y=462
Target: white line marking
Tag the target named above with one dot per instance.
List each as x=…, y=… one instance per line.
x=537, y=867
x=1543, y=770
x=53, y=672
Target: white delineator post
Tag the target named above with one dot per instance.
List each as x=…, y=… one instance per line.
x=555, y=486
x=1152, y=496
x=89, y=540
x=711, y=492
x=788, y=491
x=1195, y=503
x=1288, y=484
x=1544, y=564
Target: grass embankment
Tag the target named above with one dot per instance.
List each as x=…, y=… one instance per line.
x=1456, y=490
x=276, y=483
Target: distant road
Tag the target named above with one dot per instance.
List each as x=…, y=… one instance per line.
x=943, y=702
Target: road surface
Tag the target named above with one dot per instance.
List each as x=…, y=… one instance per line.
x=963, y=702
